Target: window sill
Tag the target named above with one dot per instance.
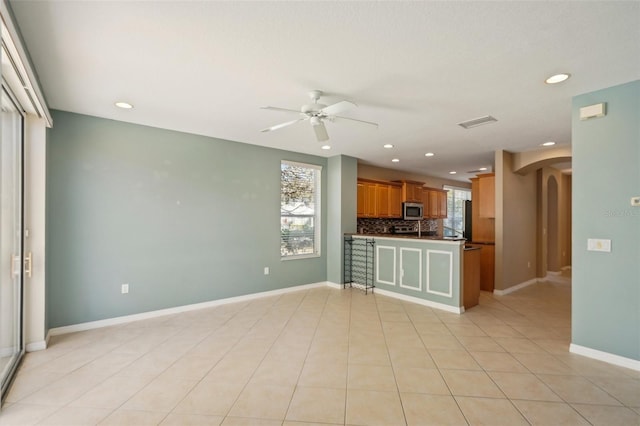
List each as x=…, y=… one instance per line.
x=300, y=256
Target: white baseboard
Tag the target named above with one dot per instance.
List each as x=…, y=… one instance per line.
x=554, y=272
x=7, y=352
x=334, y=285
x=178, y=309
x=419, y=301
x=37, y=346
x=565, y=268
x=605, y=356
x=515, y=287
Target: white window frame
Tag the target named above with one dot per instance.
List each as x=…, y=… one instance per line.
x=450, y=212
x=317, y=213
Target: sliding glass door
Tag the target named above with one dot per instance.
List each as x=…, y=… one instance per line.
x=11, y=239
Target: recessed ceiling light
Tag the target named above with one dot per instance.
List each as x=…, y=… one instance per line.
x=550, y=143
x=482, y=169
x=557, y=78
x=326, y=146
x=124, y=105
x=387, y=145
x=396, y=160
x=452, y=172
x=429, y=154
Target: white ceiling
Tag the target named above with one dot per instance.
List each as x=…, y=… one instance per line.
x=416, y=68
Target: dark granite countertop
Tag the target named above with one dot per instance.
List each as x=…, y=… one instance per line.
x=407, y=236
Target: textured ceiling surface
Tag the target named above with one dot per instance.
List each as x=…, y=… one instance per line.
x=416, y=68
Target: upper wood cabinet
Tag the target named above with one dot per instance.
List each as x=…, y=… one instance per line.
x=435, y=203
x=382, y=200
x=411, y=190
x=483, y=228
x=379, y=199
x=395, y=200
x=362, y=208
x=487, y=195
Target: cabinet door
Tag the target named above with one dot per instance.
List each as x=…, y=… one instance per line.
x=442, y=204
x=487, y=187
x=412, y=192
x=395, y=201
x=382, y=200
x=487, y=267
x=425, y=203
x=483, y=229
x=366, y=199
x=434, y=205
x=471, y=287
x=361, y=200
x=370, y=207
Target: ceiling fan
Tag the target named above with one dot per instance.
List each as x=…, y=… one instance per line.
x=316, y=113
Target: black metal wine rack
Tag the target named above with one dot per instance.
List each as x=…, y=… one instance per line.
x=359, y=263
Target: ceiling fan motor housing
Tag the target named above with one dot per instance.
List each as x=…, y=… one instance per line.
x=312, y=109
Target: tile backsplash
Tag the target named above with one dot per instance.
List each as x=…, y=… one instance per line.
x=383, y=226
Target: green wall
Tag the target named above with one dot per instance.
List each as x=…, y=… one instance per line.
x=341, y=216
x=606, y=174
x=181, y=218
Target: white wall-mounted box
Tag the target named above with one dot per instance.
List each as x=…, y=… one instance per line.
x=593, y=111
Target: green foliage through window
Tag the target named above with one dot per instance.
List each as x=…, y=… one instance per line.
x=299, y=209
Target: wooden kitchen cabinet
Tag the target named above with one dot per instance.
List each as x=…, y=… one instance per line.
x=366, y=199
x=487, y=195
x=471, y=273
x=487, y=266
x=411, y=191
x=382, y=200
x=483, y=228
x=395, y=201
x=435, y=203
x=379, y=199
x=361, y=208
x=440, y=200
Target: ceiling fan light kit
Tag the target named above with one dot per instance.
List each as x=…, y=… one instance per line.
x=316, y=113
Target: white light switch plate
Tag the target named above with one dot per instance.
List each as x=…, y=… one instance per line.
x=598, y=245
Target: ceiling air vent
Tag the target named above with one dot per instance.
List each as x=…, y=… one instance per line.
x=477, y=122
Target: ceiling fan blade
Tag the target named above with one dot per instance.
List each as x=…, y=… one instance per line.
x=280, y=109
x=353, y=119
x=337, y=107
x=321, y=132
x=281, y=125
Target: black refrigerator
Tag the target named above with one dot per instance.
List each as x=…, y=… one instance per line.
x=467, y=220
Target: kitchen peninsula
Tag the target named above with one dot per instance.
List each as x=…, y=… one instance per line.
x=427, y=270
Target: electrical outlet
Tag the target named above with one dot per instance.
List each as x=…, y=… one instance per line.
x=635, y=201
x=124, y=289
x=528, y=264
x=266, y=270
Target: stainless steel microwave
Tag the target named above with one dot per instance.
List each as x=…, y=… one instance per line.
x=412, y=211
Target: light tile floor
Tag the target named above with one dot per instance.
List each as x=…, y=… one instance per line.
x=327, y=356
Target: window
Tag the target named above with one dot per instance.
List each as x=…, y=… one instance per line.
x=299, y=210
x=454, y=223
